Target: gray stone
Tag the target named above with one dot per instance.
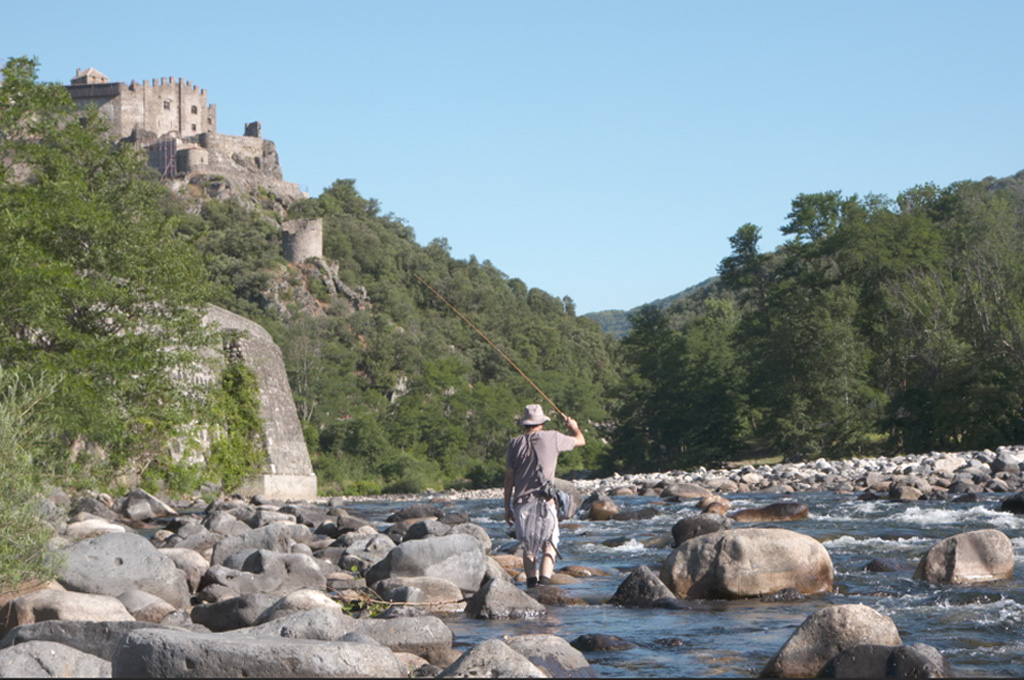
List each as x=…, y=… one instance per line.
x=276, y=537
x=46, y=659
x=233, y=613
x=552, y=654
x=425, y=636
x=168, y=653
x=113, y=563
x=826, y=633
x=278, y=572
x=141, y=506
x=502, y=600
x=456, y=557
x=492, y=659
x=61, y=605
x=917, y=661
x=92, y=637
x=970, y=557
x=145, y=606
x=322, y=623
x=748, y=562
x=642, y=588
x=426, y=528
x=697, y=525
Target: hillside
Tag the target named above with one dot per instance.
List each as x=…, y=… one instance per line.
x=615, y=322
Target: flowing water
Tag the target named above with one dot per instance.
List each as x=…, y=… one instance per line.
x=977, y=627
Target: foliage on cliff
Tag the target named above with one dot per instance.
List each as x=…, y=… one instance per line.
x=400, y=394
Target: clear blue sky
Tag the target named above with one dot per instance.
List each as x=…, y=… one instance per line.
x=603, y=151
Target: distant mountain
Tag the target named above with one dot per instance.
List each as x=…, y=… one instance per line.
x=616, y=322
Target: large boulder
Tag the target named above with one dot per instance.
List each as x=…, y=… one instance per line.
x=971, y=557
x=826, y=633
x=169, y=653
x=492, y=659
x=45, y=659
x=502, y=600
x=278, y=572
x=458, y=558
x=141, y=506
x=747, y=563
x=115, y=562
x=304, y=599
x=61, y=605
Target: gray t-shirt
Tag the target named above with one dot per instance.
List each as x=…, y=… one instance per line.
x=521, y=460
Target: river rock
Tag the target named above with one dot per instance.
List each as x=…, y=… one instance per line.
x=113, y=563
x=278, y=572
x=277, y=537
x=502, y=600
x=141, y=506
x=971, y=557
x=169, y=653
x=776, y=512
x=190, y=562
x=236, y=612
x=61, y=605
x=697, y=525
x=599, y=642
x=426, y=528
x=304, y=599
x=492, y=659
x=321, y=623
x=92, y=527
x=642, y=588
x=456, y=557
x=917, y=661
x=1014, y=504
x=684, y=490
x=145, y=606
x=881, y=661
x=602, y=509
x=826, y=633
x=552, y=654
x=416, y=510
x=46, y=659
x=92, y=637
x=441, y=594
x=747, y=563
x=426, y=636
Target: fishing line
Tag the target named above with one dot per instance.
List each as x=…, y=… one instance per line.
x=481, y=333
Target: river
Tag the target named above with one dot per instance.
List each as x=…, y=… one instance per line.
x=977, y=627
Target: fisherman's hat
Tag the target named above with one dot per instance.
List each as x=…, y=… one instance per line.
x=533, y=414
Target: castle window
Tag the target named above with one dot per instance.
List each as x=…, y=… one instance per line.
x=193, y=127
x=195, y=109
x=167, y=104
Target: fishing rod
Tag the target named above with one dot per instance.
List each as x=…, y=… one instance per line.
x=481, y=333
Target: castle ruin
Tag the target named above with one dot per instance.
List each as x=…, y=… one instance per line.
x=173, y=121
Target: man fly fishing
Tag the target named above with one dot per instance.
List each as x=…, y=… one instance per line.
x=532, y=457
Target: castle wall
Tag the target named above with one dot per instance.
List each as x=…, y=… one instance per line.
x=168, y=106
x=302, y=239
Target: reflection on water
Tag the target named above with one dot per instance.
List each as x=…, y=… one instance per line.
x=976, y=627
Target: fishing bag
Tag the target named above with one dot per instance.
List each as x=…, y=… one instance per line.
x=563, y=501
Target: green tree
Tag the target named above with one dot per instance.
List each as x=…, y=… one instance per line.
x=97, y=287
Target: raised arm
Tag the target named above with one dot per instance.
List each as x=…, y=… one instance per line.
x=574, y=430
